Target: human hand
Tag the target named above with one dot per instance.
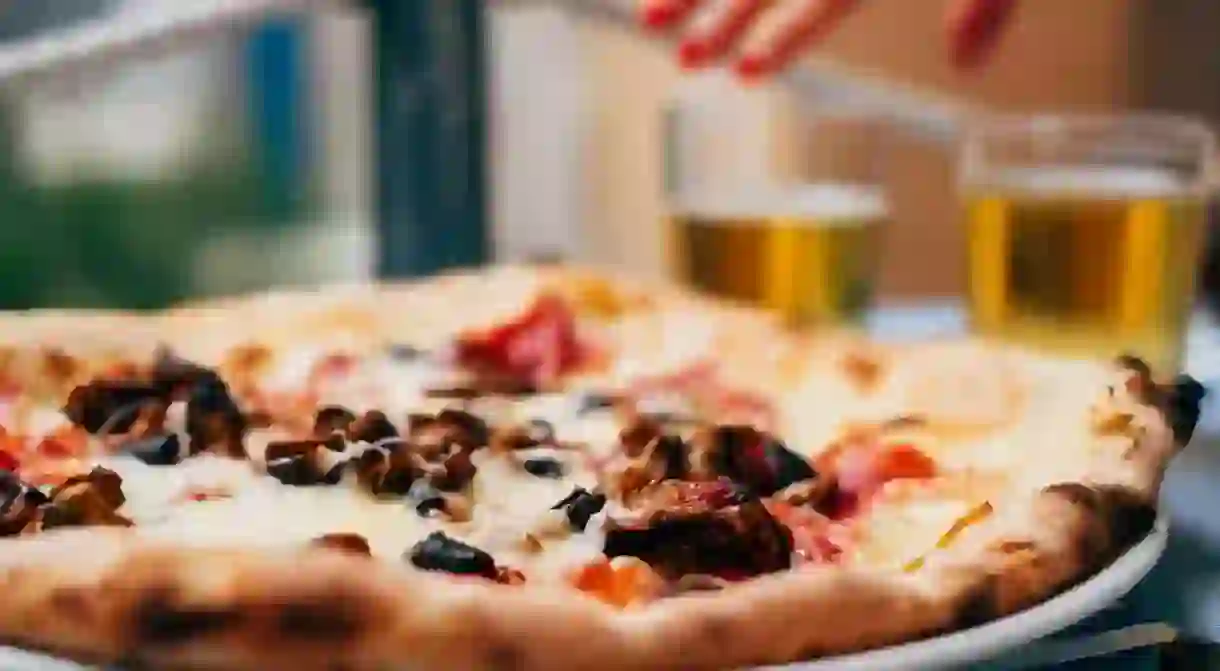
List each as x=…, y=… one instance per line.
x=972, y=28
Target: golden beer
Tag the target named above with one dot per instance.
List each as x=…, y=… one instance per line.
x=1085, y=261
x=808, y=253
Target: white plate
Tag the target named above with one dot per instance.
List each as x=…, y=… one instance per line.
x=982, y=643
x=989, y=641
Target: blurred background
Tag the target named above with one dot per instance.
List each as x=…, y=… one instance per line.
x=384, y=138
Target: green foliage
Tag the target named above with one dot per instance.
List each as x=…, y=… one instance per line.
x=100, y=243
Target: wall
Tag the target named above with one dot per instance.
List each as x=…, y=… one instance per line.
x=1059, y=55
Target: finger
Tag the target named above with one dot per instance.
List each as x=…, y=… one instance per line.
x=660, y=14
x=974, y=28
x=810, y=21
x=721, y=32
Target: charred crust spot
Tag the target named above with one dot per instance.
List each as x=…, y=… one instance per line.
x=345, y=542
x=505, y=655
x=1181, y=404
x=715, y=629
x=334, y=618
x=1131, y=515
x=160, y=619
x=980, y=605
x=69, y=601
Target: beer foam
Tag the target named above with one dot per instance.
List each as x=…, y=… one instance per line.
x=1102, y=181
x=827, y=204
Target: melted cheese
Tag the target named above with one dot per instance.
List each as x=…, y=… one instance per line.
x=259, y=511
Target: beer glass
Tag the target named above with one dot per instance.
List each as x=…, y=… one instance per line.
x=773, y=202
x=1085, y=232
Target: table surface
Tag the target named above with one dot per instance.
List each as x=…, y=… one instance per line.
x=1184, y=589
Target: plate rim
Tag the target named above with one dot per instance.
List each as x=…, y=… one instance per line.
x=986, y=642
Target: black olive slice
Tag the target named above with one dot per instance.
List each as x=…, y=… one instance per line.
x=438, y=552
x=580, y=506
x=544, y=467
x=165, y=450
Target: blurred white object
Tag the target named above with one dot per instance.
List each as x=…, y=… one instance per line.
x=537, y=129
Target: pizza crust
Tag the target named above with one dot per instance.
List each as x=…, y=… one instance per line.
x=98, y=595
x=105, y=595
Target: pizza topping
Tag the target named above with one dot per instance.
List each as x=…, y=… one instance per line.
x=509, y=576
x=1182, y=402
x=173, y=374
x=438, y=552
x=213, y=420
x=710, y=527
x=371, y=427
x=861, y=470
x=464, y=428
x=537, y=348
x=427, y=497
x=753, y=458
x=458, y=471
x=90, y=499
x=162, y=450
x=619, y=582
x=8, y=462
x=696, y=582
x=580, y=506
x=19, y=504
x=638, y=434
x=303, y=470
x=973, y=516
x=811, y=533
x=1140, y=383
x=544, y=467
x=109, y=404
x=345, y=542
x=332, y=419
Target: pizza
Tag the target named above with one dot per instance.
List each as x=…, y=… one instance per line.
x=544, y=467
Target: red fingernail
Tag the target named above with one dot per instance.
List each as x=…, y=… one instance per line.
x=692, y=54
x=659, y=15
x=751, y=67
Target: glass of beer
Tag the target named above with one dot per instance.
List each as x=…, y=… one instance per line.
x=1085, y=232
x=774, y=203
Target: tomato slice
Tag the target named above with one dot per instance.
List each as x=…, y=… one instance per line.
x=540, y=346
x=618, y=584
x=905, y=461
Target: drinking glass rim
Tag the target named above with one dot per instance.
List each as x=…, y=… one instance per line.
x=1007, y=124
x=1000, y=126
